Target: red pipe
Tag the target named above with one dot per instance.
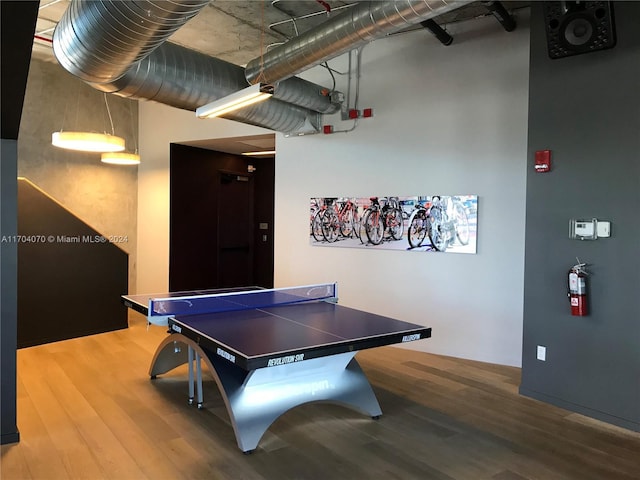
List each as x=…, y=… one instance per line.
x=326, y=6
x=44, y=39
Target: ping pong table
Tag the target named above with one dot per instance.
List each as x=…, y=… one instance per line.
x=270, y=350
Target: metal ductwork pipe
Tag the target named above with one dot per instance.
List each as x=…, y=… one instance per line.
x=359, y=25
x=183, y=78
x=119, y=47
x=97, y=41
x=305, y=94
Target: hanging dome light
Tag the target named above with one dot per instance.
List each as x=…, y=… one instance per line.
x=89, y=141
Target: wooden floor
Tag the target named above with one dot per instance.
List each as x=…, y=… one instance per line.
x=87, y=410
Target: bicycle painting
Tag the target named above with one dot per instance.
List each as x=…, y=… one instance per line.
x=425, y=223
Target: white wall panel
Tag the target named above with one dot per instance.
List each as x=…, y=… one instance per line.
x=449, y=120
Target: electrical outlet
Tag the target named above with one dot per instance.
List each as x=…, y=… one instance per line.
x=542, y=353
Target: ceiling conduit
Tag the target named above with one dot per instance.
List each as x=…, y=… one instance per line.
x=119, y=47
x=359, y=25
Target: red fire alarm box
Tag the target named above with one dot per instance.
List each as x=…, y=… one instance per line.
x=543, y=161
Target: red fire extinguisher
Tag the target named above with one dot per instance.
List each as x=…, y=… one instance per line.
x=578, y=289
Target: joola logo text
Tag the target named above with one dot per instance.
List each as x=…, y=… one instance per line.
x=411, y=338
x=227, y=355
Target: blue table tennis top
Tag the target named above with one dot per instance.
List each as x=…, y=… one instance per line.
x=271, y=336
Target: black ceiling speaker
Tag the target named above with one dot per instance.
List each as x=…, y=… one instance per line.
x=578, y=27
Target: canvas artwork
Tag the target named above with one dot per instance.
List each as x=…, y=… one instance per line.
x=428, y=223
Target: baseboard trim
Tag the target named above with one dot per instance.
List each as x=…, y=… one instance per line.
x=7, y=438
x=598, y=415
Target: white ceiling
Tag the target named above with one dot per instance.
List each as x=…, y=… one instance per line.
x=237, y=145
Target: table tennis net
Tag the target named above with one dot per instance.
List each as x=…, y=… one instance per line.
x=227, y=302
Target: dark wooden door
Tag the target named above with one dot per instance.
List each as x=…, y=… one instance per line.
x=235, y=230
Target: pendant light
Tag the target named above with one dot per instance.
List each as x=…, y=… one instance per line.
x=89, y=141
x=123, y=158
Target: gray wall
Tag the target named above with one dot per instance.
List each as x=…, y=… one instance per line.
x=104, y=196
x=586, y=109
x=18, y=26
x=8, y=290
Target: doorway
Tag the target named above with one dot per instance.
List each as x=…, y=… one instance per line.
x=221, y=220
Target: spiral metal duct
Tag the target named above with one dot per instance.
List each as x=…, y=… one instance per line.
x=97, y=41
x=183, y=78
x=120, y=47
x=354, y=28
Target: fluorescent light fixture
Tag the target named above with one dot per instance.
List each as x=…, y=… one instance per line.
x=120, y=158
x=258, y=153
x=248, y=96
x=87, y=141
